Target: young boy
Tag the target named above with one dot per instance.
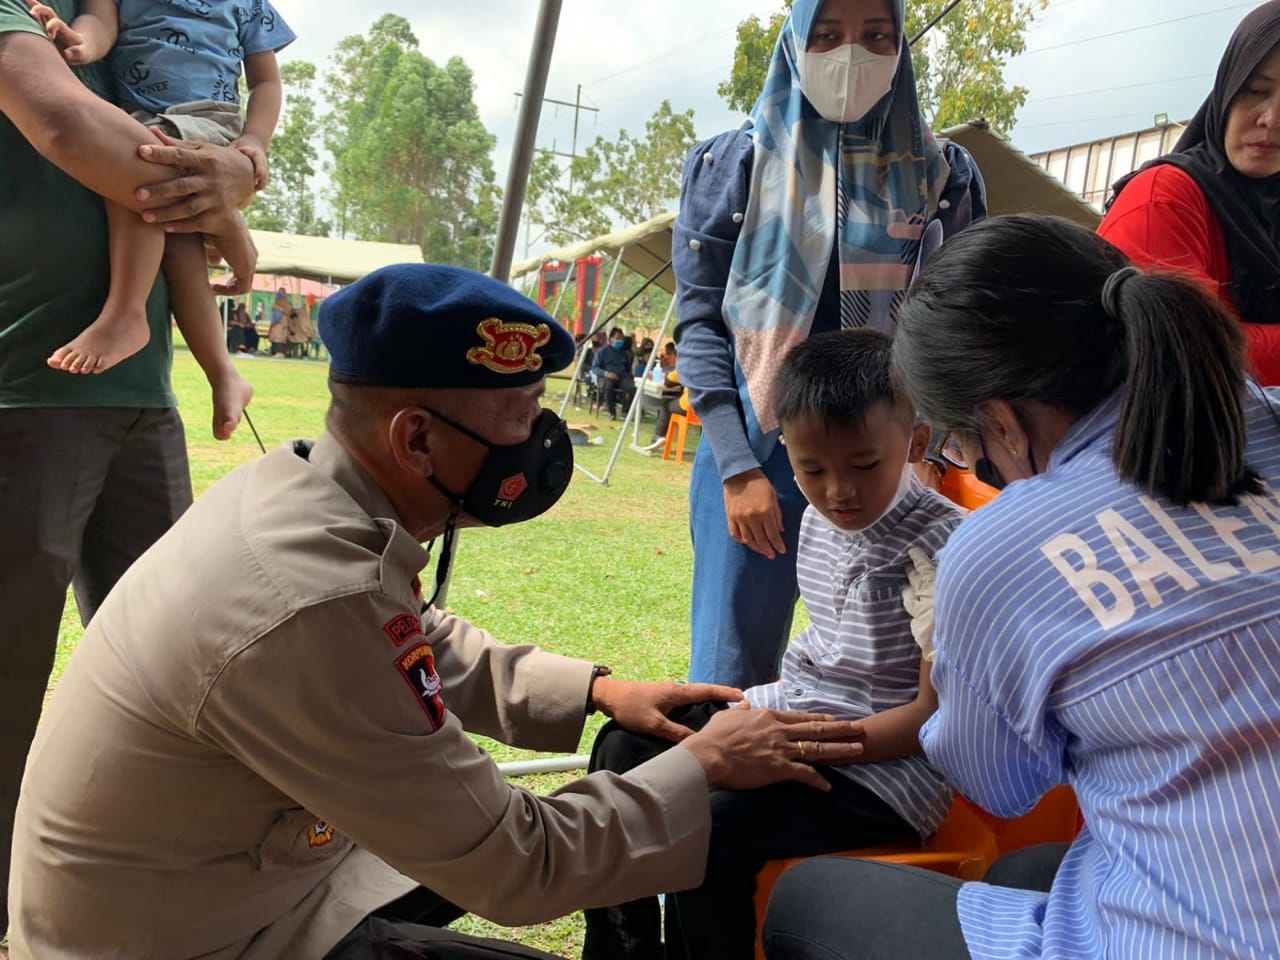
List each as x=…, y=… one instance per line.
x=851, y=437
x=177, y=65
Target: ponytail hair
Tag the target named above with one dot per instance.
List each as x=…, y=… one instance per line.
x=1181, y=431
x=1037, y=308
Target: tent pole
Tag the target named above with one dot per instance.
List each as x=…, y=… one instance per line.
x=648, y=369
x=535, y=88
x=634, y=410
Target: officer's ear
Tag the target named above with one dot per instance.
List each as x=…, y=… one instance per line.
x=409, y=438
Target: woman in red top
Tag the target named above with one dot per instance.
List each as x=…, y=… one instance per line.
x=1211, y=208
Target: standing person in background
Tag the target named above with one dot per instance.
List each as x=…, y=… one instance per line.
x=831, y=195
x=1211, y=209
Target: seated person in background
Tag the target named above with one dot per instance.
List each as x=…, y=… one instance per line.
x=668, y=359
x=642, y=356
x=851, y=437
x=187, y=90
x=672, y=394
x=613, y=373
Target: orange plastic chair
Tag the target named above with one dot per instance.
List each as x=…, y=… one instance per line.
x=678, y=430
x=964, y=489
x=966, y=844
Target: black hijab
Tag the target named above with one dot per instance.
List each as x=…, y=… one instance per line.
x=1249, y=208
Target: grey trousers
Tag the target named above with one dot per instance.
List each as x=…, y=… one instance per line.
x=849, y=909
x=83, y=492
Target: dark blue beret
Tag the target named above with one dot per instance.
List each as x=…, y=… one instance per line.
x=424, y=325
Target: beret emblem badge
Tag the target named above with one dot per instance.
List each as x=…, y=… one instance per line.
x=509, y=347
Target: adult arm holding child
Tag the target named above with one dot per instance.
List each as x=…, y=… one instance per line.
x=115, y=156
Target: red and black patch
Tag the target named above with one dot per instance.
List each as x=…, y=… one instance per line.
x=402, y=628
x=512, y=487
x=418, y=667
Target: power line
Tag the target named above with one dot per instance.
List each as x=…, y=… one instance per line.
x=1141, y=27
x=1063, y=123
x=719, y=34
x=1129, y=86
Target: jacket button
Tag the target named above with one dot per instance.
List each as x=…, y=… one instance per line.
x=737, y=218
x=708, y=158
x=944, y=204
x=695, y=245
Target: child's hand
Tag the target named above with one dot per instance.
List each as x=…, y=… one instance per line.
x=917, y=599
x=251, y=148
x=71, y=43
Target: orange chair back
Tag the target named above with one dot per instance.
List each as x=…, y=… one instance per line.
x=966, y=844
x=964, y=489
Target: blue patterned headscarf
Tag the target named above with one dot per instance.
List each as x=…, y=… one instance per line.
x=865, y=189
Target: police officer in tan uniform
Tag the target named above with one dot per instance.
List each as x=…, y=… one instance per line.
x=258, y=749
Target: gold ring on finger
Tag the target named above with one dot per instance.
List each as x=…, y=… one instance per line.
x=800, y=744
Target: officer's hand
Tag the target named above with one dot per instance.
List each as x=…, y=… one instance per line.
x=643, y=707
x=755, y=516
x=747, y=748
x=917, y=599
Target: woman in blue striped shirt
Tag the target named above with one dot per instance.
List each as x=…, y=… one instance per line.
x=1111, y=621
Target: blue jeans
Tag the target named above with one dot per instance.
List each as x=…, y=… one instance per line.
x=742, y=602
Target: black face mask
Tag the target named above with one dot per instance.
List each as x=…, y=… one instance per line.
x=986, y=471
x=515, y=483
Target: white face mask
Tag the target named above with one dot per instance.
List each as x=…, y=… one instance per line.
x=905, y=482
x=845, y=83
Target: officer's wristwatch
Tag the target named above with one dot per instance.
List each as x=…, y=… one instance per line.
x=599, y=670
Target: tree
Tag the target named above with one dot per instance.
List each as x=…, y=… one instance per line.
x=411, y=159
x=959, y=64
x=287, y=204
x=615, y=182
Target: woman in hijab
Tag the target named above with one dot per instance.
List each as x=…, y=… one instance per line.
x=812, y=216
x=1211, y=209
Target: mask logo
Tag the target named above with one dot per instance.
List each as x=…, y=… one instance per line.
x=401, y=628
x=319, y=834
x=418, y=667
x=512, y=487
x=509, y=347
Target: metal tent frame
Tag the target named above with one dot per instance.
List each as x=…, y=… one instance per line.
x=644, y=249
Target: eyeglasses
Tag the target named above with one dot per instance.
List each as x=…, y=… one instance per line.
x=947, y=448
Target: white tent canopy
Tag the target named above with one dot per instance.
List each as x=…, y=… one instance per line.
x=327, y=259
x=645, y=248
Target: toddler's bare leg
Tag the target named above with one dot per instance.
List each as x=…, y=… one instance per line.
x=196, y=311
x=121, y=328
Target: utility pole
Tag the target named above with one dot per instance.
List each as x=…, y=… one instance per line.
x=578, y=110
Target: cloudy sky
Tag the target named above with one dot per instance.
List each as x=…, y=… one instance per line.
x=1093, y=67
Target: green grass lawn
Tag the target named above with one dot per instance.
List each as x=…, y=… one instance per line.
x=603, y=576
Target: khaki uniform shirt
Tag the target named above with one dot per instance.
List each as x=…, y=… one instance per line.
x=259, y=741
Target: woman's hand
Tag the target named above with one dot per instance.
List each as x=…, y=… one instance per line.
x=754, y=513
x=917, y=599
x=743, y=749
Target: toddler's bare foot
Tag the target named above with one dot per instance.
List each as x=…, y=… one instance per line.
x=231, y=394
x=111, y=338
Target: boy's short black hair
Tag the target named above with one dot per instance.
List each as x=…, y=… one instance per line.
x=838, y=376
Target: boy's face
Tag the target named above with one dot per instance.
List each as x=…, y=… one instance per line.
x=851, y=473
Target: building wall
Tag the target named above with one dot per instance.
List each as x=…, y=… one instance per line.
x=1089, y=169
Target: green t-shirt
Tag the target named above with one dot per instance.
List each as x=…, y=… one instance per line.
x=54, y=272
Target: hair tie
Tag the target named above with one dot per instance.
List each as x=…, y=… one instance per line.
x=1111, y=290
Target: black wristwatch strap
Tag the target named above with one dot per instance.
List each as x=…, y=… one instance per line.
x=599, y=670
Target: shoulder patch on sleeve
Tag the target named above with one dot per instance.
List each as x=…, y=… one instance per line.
x=418, y=667
x=403, y=628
